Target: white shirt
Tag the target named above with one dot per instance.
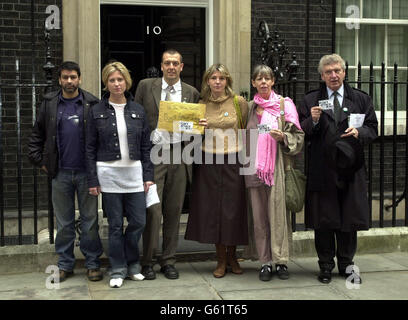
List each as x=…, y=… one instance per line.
x=340, y=94
x=176, y=96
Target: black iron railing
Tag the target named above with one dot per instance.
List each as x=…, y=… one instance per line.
x=18, y=86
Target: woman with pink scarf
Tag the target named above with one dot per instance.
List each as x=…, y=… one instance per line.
x=271, y=220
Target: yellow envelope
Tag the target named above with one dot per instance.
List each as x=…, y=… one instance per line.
x=181, y=117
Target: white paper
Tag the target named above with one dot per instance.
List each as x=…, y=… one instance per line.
x=152, y=197
x=264, y=128
x=356, y=120
x=186, y=126
x=326, y=105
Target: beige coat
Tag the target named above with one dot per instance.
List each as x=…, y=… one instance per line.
x=270, y=220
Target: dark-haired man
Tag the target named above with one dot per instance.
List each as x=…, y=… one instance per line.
x=57, y=146
x=171, y=179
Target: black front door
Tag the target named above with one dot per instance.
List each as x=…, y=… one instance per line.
x=138, y=35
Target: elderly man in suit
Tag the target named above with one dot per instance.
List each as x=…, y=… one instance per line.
x=171, y=178
x=336, y=205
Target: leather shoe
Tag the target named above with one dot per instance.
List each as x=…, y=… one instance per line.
x=324, y=276
x=265, y=274
x=170, y=271
x=62, y=276
x=94, y=274
x=148, y=272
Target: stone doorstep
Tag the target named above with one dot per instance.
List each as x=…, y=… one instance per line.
x=35, y=258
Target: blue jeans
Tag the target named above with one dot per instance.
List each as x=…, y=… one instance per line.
x=124, y=247
x=64, y=186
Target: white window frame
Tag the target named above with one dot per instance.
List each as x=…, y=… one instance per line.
x=401, y=115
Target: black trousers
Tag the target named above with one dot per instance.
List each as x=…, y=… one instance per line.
x=334, y=243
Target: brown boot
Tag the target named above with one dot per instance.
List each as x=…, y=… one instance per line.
x=219, y=272
x=232, y=260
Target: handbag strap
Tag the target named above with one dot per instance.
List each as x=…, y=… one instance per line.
x=282, y=113
x=287, y=160
x=239, y=114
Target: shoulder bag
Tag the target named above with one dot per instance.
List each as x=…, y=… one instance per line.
x=295, y=180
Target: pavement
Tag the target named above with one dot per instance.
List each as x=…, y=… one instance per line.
x=385, y=277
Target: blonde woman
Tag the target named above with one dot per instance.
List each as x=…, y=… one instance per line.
x=218, y=210
x=118, y=163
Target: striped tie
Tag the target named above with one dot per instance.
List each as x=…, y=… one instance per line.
x=169, y=91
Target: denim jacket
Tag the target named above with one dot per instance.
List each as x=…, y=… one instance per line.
x=103, y=140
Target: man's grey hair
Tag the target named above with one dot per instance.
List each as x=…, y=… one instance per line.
x=329, y=59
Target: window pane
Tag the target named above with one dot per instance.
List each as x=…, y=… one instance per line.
x=376, y=9
x=402, y=91
x=397, y=45
x=345, y=45
x=371, y=44
x=399, y=9
x=344, y=9
x=365, y=77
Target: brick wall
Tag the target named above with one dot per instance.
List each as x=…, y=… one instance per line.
x=288, y=17
x=16, y=43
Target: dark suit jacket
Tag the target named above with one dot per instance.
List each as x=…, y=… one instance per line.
x=148, y=94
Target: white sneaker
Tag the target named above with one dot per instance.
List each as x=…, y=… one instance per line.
x=137, y=277
x=116, y=283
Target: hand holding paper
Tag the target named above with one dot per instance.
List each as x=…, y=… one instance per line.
x=356, y=120
x=152, y=197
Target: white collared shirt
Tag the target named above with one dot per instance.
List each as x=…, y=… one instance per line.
x=176, y=96
x=340, y=94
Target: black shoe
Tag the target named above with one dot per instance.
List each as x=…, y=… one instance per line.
x=265, y=274
x=170, y=271
x=62, y=276
x=282, y=271
x=324, y=276
x=148, y=272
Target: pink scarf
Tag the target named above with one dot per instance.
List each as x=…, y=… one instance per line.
x=266, y=147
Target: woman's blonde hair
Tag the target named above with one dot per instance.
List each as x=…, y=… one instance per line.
x=205, y=88
x=111, y=68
